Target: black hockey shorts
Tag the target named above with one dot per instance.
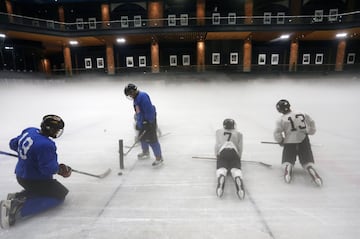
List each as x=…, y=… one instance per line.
x=150, y=135
x=47, y=188
x=303, y=150
x=228, y=159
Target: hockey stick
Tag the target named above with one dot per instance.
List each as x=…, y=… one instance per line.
x=162, y=135
x=271, y=142
x=8, y=154
x=103, y=175
x=245, y=161
x=134, y=144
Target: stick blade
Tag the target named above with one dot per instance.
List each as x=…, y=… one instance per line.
x=106, y=173
x=265, y=164
x=269, y=142
x=103, y=175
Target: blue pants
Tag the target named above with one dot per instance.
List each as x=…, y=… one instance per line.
x=41, y=195
x=150, y=139
x=154, y=146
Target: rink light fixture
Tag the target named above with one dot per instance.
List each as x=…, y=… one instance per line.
x=120, y=40
x=9, y=48
x=2, y=35
x=341, y=35
x=73, y=43
x=285, y=36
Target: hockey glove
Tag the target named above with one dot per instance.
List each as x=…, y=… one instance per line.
x=64, y=170
x=281, y=143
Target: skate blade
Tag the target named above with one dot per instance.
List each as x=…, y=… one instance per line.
x=219, y=192
x=318, y=182
x=241, y=194
x=287, y=179
x=4, y=223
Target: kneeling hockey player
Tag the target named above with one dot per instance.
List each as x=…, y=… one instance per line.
x=228, y=150
x=37, y=163
x=291, y=132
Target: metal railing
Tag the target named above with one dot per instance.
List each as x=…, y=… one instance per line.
x=172, y=21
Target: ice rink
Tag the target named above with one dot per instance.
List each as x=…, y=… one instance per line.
x=178, y=200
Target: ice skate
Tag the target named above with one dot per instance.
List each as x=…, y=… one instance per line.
x=288, y=173
x=220, y=186
x=157, y=162
x=8, y=211
x=314, y=176
x=4, y=214
x=11, y=196
x=19, y=195
x=240, y=191
x=143, y=155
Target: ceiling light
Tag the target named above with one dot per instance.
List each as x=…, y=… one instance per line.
x=73, y=43
x=120, y=40
x=341, y=35
x=2, y=35
x=286, y=36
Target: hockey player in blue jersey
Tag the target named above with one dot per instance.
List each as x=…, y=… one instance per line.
x=145, y=123
x=37, y=163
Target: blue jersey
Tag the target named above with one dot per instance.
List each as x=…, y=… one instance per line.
x=37, y=158
x=145, y=111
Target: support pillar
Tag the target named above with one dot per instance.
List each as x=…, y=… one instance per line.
x=200, y=61
x=340, y=55
x=67, y=61
x=105, y=15
x=155, y=13
x=61, y=17
x=294, y=48
x=110, y=58
x=350, y=6
x=247, y=55
x=45, y=66
x=155, y=67
x=249, y=6
x=200, y=12
x=295, y=9
x=9, y=10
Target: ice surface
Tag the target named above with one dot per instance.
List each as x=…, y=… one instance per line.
x=178, y=200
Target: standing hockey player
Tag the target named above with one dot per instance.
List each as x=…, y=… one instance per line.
x=145, y=123
x=291, y=132
x=37, y=163
x=228, y=151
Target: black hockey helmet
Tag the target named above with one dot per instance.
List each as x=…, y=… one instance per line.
x=229, y=124
x=52, y=126
x=129, y=89
x=283, y=106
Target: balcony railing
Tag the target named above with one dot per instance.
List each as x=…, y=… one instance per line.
x=216, y=22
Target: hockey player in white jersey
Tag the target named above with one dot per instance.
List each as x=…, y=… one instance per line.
x=228, y=151
x=291, y=132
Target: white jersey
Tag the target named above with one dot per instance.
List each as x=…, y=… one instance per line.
x=293, y=127
x=232, y=139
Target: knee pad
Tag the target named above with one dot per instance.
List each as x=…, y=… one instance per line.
x=305, y=166
x=221, y=171
x=236, y=172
